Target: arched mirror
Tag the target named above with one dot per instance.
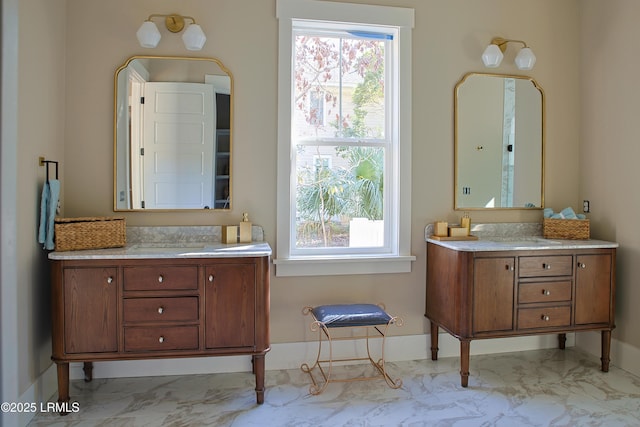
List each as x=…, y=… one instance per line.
x=172, y=134
x=499, y=142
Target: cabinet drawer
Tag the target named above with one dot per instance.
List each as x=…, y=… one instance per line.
x=160, y=309
x=158, y=278
x=161, y=338
x=544, y=317
x=544, y=292
x=541, y=266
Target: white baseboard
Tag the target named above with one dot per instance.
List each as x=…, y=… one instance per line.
x=292, y=355
x=45, y=386
x=623, y=356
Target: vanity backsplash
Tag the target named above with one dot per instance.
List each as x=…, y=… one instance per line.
x=183, y=234
x=499, y=230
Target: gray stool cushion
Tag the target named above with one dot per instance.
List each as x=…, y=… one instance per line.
x=341, y=315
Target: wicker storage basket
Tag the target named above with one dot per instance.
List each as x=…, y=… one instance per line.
x=72, y=234
x=565, y=228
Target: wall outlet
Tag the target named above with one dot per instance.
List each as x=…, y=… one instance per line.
x=585, y=206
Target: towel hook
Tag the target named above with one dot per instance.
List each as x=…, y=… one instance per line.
x=44, y=162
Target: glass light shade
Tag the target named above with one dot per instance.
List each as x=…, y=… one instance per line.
x=148, y=35
x=525, y=60
x=492, y=56
x=194, y=37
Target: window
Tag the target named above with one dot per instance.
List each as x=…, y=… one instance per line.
x=344, y=138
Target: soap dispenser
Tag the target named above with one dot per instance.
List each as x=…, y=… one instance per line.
x=465, y=222
x=245, y=229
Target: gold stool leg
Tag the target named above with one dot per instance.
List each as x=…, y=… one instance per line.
x=380, y=364
x=316, y=326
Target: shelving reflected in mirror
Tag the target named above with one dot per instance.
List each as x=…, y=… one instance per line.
x=173, y=132
x=499, y=142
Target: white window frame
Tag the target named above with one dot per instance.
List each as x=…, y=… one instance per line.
x=398, y=258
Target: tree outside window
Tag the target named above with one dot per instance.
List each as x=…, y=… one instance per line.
x=342, y=77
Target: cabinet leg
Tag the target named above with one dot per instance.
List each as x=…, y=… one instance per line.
x=88, y=371
x=63, y=383
x=434, y=341
x=562, y=340
x=258, y=370
x=606, y=347
x=464, y=362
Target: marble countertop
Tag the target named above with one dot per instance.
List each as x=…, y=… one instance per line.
x=512, y=236
x=520, y=243
x=169, y=250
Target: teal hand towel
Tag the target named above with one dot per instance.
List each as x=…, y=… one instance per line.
x=568, y=213
x=54, y=197
x=48, y=207
x=44, y=203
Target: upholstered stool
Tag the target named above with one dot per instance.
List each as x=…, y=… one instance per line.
x=370, y=317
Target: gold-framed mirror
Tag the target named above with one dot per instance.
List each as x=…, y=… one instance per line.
x=499, y=129
x=173, y=128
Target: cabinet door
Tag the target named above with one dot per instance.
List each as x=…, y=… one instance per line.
x=90, y=310
x=230, y=305
x=493, y=291
x=593, y=289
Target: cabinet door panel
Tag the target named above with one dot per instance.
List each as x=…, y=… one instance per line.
x=593, y=289
x=230, y=299
x=493, y=291
x=90, y=310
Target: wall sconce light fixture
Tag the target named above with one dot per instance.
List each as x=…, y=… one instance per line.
x=493, y=54
x=193, y=37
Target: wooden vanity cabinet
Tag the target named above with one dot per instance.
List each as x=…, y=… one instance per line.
x=121, y=309
x=498, y=294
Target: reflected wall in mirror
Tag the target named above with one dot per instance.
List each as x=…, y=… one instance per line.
x=172, y=134
x=499, y=142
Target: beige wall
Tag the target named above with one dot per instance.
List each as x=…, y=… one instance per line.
x=41, y=103
x=448, y=38
x=591, y=113
x=609, y=150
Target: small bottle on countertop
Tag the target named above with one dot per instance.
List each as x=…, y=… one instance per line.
x=465, y=222
x=245, y=229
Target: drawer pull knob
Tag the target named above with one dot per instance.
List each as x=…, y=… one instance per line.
x=109, y=279
x=546, y=266
x=211, y=277
x=582, y=265
x=546, y=292
x=545, y=318
x=160, y=278
x=509, y=267
x=160, y=310
x=161, y=339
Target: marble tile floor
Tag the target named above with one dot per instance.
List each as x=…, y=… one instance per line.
x=532, y=388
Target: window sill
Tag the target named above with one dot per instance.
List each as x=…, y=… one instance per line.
x=330, y=265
